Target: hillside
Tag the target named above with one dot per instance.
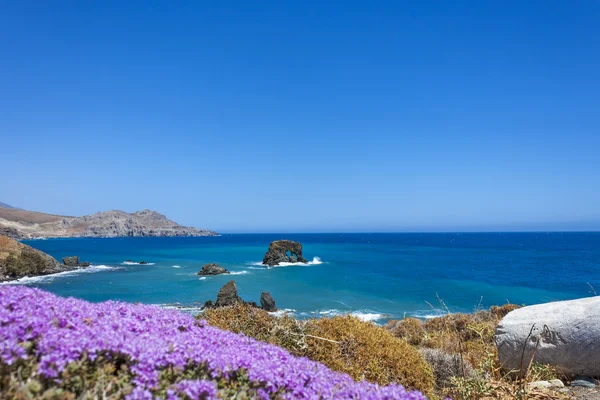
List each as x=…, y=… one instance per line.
x=29, y=224
x=4, y=205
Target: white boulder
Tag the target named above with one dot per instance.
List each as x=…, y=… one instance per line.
x=568, y=334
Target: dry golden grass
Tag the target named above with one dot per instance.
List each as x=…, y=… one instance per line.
x=391, y=354
x=346, y=344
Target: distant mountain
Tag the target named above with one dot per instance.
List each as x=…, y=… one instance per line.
x=4, y=205
x=18, y=223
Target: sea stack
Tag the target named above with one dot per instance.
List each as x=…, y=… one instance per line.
x=283, y=251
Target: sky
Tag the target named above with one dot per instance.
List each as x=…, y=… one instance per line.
x=305, y=116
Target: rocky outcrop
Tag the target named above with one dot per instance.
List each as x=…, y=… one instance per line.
x=228, y=296
x=73, y=261
x=114, y=223
x=212, y=269
x=564, y=334
x=283, y=251
x=18, y=260
x=267, y=303
x=12, y=233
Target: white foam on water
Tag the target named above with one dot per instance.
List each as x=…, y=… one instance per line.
x=30, y=280
x=368, y=317
x=363, y=315
x=282, y=312
x=202, y=278
x=427, y=314
x=176, y=266
x=238, y=273
x=315, y=261
x=135, y=263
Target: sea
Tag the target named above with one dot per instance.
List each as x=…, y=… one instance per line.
x=375, y=277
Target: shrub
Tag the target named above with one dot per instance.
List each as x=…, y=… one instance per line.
x=409, y=329
x=361, y=349
x=367, y=351
x=446, y=366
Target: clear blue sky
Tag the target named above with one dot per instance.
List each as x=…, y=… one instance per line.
x=305, y=115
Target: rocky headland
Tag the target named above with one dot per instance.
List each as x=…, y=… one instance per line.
x=18, y=260
x=22, y=224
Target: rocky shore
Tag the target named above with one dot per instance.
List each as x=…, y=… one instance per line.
x=18, y=260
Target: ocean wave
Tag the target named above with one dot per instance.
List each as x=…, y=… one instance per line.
x=195, y=309
x=238, y=273
x=315, y=261
x=203, y=278
x=363, y=315
x=282, y=312
x=31, y=280
x=427, y=314
x=135, y=263
x=176, y=266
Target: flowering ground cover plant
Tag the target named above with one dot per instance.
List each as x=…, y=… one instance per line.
x=54, y=347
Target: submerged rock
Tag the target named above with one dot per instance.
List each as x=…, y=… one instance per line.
x=568, y=333
x=267, y=302
x=283, y=251
x=72, y=261
x=212, y=269
x=142, y=263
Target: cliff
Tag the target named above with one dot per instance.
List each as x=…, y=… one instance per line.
x=24, y=224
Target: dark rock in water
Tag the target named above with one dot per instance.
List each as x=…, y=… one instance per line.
x=71, y=261
x=142, y=263
x=84, y=264
x=283, y=251
x=212, y=269
x=266, y=302
x=228, y=295
x=583, y=381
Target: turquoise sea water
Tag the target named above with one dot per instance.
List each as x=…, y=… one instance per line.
x=375, y=276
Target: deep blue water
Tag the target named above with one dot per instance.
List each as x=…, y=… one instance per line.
x=390, y=275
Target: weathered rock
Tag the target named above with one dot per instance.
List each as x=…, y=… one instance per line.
x=583, y=381
x=143, y=263
x=539, y=385
x=267, y=303
x=557, y=383
x=18, y=260
x=228, y=295
x=212, y=269
x=72, y=261
x=11, y=232
x=568, y=334
x=84, y=264
x=283, y=251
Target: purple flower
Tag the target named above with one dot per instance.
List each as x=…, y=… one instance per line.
x=152, y=339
